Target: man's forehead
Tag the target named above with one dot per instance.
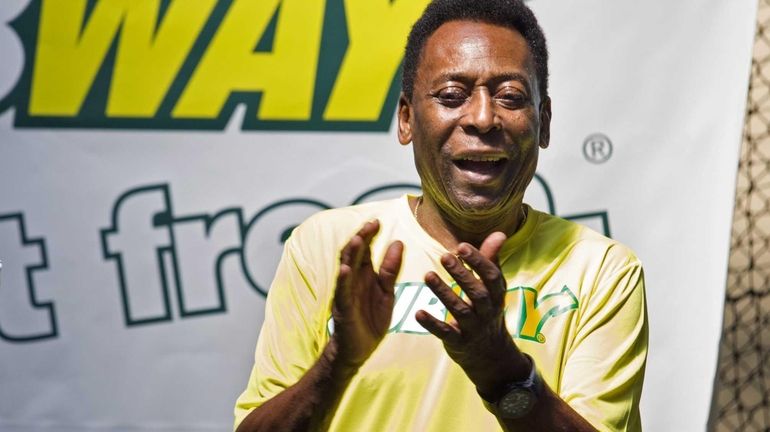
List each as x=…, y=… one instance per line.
x=460, y=47
x=474, y=38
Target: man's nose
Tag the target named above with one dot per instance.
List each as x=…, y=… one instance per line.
x=481, y=116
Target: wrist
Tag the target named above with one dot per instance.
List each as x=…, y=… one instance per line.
x=338, y=367
x=515, y=366
x=516, y=399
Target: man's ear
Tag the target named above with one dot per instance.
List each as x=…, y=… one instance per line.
x=545, y=123
x=404, y=117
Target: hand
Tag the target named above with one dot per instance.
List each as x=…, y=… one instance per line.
x=477, y=338
x=363, y=299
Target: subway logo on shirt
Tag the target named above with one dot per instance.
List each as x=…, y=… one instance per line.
x=526, y=312
x=162, y=64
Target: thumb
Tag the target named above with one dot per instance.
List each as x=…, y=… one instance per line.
x=492, y=245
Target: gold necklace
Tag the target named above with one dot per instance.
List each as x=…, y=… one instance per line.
x=416, y=206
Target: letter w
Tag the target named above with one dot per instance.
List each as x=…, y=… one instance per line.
x=70, y=52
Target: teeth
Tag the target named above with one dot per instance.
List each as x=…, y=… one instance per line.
x=481, y=158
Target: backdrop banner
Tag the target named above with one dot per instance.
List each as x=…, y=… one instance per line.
x=155, y=154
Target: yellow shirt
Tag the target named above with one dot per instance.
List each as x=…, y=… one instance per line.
x=575, y=303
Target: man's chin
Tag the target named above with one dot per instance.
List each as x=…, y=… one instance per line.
x=480, y=206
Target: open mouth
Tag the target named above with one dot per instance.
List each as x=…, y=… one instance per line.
x=485, y=165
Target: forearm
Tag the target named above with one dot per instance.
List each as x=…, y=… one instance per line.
x=307, y=405
x=550, y=414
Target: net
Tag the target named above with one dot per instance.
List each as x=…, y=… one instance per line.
x=741, y=399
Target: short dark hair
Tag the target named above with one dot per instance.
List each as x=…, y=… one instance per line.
x=513, y=14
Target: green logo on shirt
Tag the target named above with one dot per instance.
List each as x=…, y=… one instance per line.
x=526, y=313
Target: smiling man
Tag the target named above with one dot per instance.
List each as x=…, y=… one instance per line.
x=462, y=308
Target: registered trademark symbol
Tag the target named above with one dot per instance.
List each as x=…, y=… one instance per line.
x=597, y=148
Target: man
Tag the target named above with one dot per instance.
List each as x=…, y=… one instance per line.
x=539, y=323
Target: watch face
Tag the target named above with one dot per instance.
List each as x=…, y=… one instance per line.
x=516, y=403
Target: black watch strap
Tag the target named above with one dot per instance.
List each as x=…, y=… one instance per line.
x=519, y=397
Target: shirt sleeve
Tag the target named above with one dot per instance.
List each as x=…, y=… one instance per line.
x=604, y=370
x=292, y=335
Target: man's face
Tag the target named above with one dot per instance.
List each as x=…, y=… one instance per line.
x=476, y=119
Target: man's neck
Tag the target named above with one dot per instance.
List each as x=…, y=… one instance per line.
x=450, y=230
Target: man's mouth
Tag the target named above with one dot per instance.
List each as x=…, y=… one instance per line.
x=480, y=164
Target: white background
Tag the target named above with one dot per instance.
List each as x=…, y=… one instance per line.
x=666, y=81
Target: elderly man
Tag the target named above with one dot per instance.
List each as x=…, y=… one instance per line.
x=463, y=308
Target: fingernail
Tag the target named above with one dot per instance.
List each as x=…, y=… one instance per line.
x=463, y=250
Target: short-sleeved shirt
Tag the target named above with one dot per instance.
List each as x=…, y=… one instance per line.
x=575, y=303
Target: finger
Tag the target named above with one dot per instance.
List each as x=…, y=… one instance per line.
x=342, y=291
x=478, y=294
x=369, y=230
x=488, y=270
x=366, y=233
x=391, y=264
x=349, y=251
x=349, y=266
x=438, y=328
x=462, y=312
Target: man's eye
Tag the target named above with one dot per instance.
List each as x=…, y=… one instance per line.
x=511, y=100
x=451, y=97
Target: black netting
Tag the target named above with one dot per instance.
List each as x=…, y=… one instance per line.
x=741, y=400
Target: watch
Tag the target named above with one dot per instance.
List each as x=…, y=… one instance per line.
x=519, y=397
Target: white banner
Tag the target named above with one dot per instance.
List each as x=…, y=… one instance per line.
x=154, y=154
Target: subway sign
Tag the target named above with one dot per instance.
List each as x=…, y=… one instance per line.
x=187, y=64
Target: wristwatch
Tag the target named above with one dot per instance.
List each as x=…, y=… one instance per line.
x=519, y=397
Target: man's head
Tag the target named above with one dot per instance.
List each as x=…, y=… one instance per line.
x=513, y=14
x=476, y=114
